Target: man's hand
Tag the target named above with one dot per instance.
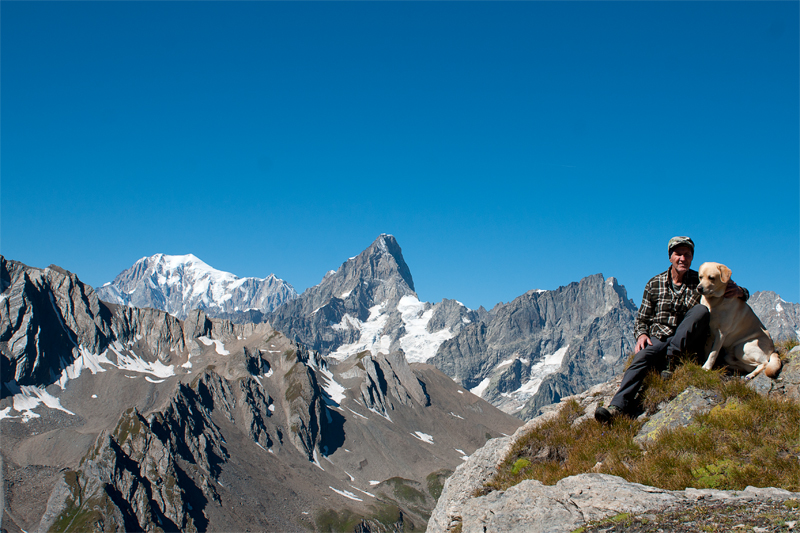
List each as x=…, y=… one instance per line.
x=733, y=290
x=642, y=341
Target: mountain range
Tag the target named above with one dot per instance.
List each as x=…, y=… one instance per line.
x=120, y=418
x=181, y=397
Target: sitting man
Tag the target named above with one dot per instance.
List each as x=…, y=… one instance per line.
x=671, y=321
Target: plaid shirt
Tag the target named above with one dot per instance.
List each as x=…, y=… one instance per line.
x=663, y=308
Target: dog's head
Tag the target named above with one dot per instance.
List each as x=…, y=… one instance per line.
x=714, y=278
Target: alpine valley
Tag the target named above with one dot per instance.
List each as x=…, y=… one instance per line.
x=181, y=398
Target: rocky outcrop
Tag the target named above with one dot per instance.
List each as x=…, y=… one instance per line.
x=131, y=481
x=573, y=501
x=577, y=335
x=179, y=284
x=453, y=316
x=45, y=316
x=532, y=507
x=388, y=379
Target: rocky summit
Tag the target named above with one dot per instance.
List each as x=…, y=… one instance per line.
x=123, y=419
x=594, y=501
x=179, y=284
x=369, y=304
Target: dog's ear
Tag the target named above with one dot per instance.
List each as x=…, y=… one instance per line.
x=724, y=274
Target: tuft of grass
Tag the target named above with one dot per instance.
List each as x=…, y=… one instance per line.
x=747, y=439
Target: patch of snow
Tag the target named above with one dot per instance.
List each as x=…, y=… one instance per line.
x=316, y=461
x=461, y=392
x=134, y=363
x=373, y=482
x=346, y=494
x=331, y=387
x=371, y=338
x=365, y=492
x=218, y=345
x=550, y=364
x=507, y=362
x=349, y=475
x=480, y=388
x=384, y=415
x=424, y=437
x=455, y=415
x=464, y=456
x=26, y=398
x=151, y=380
x=778, y=307
x=418, y=343
x=86, y=360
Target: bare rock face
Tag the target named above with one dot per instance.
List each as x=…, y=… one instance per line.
x=781, y=318
x=543, y=346
x=45, y=315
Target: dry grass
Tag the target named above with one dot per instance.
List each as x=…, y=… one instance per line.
x=747, y=439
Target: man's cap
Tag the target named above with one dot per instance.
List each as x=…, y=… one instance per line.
x=679, y=241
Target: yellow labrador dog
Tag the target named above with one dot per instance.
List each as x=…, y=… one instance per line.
x=735, y=327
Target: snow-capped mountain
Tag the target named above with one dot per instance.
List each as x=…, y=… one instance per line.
x=179, y=283
x=369, y=304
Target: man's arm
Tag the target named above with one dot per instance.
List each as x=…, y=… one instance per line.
x=735, y=291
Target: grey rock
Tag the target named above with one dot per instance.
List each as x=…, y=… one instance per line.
x=45, y=316
x=585, y=327
x=781, y=318
x=451, y=315
x=677, y=413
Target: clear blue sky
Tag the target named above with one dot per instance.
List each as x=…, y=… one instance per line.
x=508, y=146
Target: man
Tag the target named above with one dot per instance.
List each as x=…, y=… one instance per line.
x=671, y=321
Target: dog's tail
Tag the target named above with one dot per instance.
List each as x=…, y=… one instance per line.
x=773, y=367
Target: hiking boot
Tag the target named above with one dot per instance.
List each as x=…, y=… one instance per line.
x=605, y=416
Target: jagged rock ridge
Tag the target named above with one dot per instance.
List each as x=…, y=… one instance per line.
x=543, y=345
x=178, y=284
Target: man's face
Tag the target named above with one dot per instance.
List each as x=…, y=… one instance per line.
x=681, y=258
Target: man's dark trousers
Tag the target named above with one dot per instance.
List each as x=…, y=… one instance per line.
x=690, y=337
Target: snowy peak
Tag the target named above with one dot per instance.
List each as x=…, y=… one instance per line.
x=369, y=304
x=179, y=283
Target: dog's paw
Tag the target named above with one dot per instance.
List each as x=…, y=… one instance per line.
x=707, y=366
